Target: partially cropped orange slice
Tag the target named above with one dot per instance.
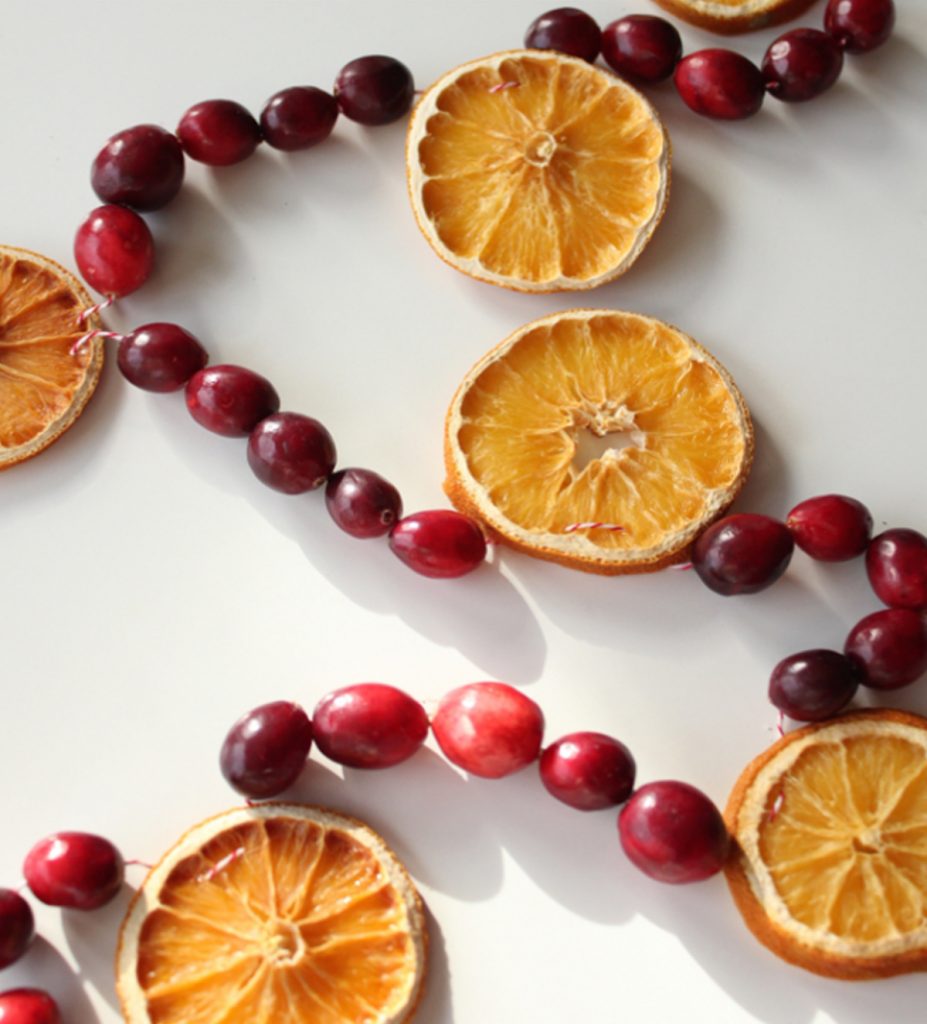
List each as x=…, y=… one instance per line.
x=44, y=386
x=732, y=16
x=599, y=439
x=273, y=913
x=830, y=824
x=537, y=171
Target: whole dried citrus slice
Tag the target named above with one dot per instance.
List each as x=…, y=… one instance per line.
x=731, y=16
x=830, y=826
x=599, y=439
x=43, y=385
x=278, y=912
x=537, y=171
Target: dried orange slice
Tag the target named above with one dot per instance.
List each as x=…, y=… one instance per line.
x=830, y=864
x=731, y=16
x=43, y=386
x=537, y=171
x=278, y=912
x=599, y=439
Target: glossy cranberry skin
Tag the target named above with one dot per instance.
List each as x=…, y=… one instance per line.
x=230, y=400
x=160, y=357
x=114, y=250
x=17, y=926
x=567, y=30
x=890, y=646
x=369, y=725
x=742, y=553
x=859, y=25
x=74, y=869
x=438, y=543
x=218, y=133
x=141, y=167
x=298, y=118
x=374, y=90
x=813, y=685
x=896, y=563
x=266, y=749
x=830, y=527
x=642, y=48
x=673, y=832
x=362, y=502
x=28, y=1006
x=291, y=453
x=588, y=770
x=720, y=84
x=801, y=64
x=488, y=729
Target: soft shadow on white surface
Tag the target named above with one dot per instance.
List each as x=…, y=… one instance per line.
x=47, y=969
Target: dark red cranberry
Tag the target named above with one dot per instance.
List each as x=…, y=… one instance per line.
x=896, y=563
x=813, y=685
x=141, y=167
x=369, y=725
x=74, y=869
x=28, y=1006
x=567, y=30
x=298, y=117
x=831, y=527
x=742, y=553
x=114, y=250
x=374, y=90
x=642, y=47
x=859, y=25
x=17, y=926
x=890, y=646
x=362, y=503
x=801, y=64
x=230, y=400
x=439, y=543
x=291, y=453
x=266, y=749
x=720, y=84
x=160, y=357
x=218, y=133
x=588, y=770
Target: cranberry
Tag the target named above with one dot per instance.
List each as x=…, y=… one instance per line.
x=160, y=357
x=17, y=926
x=291, y=453
x=890, y=646
x=896, y=563
x=642, y=47
x=801, y=64
x=813, y=685
x=439, y=543
x=362, y=503
x=369, y=725
x=742, y=554
x=266, y=749
x=859, y=25
x=218, y=133
x=374, y=90
x=831, y=528
x=141, y=167
x=114, y=250
x=298, y=117
x=28, y=1006
x=488, y=729
x=567, y=30
x=588, y=770
x=720, y=83
x=230, y=400
x=74, y=869
x=673, y=832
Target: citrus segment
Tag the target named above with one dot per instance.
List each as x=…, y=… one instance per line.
x=537, y=171
x=270, y=913
x=732, y=16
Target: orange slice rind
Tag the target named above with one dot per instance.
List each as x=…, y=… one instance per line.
x=729, y=17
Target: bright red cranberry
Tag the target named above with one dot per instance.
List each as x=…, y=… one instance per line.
x=642, y=47
x=362, y=503
x=896, y=563
x=218, y=133
x=230, y=400
x=488, y=729
x=141, y=167
x=813, y=685
x=369, y=725
x=720, y=83
x=374, y=90
x=859, y=25
x=291, y=453
x=568, y=30
x=831, y=527
x=890, y=646
x=742, y=554
x=74, y=869
x=801, y=64
x=160, y=357
x=298, y=117
x=266, y=749
x=114, y=250
x=438, y=543
x=17, y=926
x=588, y=770
x=673, y=832
x=28, y=1006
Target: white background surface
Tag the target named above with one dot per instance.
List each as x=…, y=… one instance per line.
x=153, y=590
